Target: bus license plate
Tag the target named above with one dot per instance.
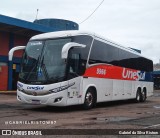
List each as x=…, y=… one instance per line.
x=35, y=101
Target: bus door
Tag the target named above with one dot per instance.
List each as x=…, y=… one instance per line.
x=74, y=79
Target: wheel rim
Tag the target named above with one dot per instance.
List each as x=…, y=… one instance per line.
x=89, y=98
x=138, y=97
x=143, y=95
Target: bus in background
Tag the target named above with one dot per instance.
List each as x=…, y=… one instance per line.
x=73, y=67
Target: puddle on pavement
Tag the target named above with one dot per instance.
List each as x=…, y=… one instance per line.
x=138, y=113
x=151, y=112
x=156, y=106
x=111, y=119
x=156, y=94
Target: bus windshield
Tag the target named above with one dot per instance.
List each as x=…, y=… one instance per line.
x=42, y=62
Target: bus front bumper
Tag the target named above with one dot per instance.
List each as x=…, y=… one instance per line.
x=54, y=99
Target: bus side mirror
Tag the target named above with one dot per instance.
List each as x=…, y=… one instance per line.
x=10, y=54
x=67, y=47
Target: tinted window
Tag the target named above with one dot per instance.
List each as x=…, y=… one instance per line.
x=127, y=59
x=130, y=60
x=144, y=64
x=103, y=53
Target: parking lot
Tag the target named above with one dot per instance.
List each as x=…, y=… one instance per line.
x=109, y=115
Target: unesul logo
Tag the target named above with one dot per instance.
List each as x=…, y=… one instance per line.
x=133, y=75
x=35, y=88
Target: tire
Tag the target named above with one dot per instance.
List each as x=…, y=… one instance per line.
x=90, y=99
x=138, y=96
x=143, y=96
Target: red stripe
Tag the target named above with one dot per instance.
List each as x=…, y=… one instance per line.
x=111, y=72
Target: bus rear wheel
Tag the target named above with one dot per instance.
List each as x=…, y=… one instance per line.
x=90, y=99
x=138, y=96
x=143, y=96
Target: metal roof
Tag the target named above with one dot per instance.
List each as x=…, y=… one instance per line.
x=17, y=26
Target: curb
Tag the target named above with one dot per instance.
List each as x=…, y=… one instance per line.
x=8, y=92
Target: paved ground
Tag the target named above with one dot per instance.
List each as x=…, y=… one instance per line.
x=110, y=115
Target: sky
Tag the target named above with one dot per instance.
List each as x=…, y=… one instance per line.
x=131, y=23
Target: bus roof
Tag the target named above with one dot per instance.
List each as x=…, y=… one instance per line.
x=58, y=34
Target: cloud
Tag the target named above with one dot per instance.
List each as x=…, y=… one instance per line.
x=133, y=23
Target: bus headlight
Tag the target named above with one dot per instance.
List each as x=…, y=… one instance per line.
x=55, y=90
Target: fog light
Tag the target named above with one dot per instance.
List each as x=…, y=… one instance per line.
x=57, y=99
x=19, y=97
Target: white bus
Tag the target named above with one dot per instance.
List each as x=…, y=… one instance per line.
x=73, y=67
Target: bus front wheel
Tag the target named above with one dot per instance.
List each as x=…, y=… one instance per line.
x=90, y=99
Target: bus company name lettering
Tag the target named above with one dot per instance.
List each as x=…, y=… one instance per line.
x=35, y=88
x=19, y=85
x=134, y=75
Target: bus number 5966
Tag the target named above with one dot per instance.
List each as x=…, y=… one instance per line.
x=101, y=71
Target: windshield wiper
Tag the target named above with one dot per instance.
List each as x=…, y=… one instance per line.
x=35, y=65
x=44, y=69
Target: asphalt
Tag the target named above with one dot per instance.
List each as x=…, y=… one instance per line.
x=109, y=115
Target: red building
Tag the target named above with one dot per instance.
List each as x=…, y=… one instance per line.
x=15, y=32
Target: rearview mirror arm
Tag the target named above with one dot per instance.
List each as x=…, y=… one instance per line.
x=68, y=46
